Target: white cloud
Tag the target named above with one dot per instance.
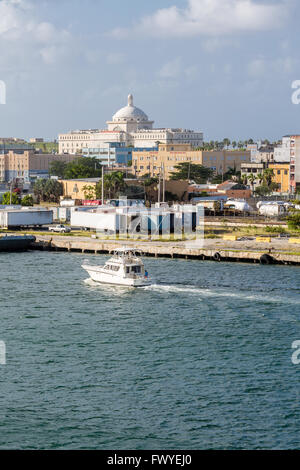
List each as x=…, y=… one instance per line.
x=262, y=67
x=19, y=25
x=171, y=69
x=210, y=18
x=115, y=58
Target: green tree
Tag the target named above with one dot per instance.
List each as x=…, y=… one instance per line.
x=262, y=190
x=39, y=189
x=150, y=180
x=260, y=178
x=267, y=176
x=190, y=171
x=244, y=179
x=251, y=179
x=83, y=167
x=57, y=168
x=27, y=200
x=114, y=185
x=226, y=142
x=48, y=190
x=10, y=198
x=293, y=221
x=89, y=191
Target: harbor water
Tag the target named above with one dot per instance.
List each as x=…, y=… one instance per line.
x=199, y=360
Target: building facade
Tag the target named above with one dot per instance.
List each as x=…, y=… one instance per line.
x=111, y=154
x=281, y=175
x=254, y=172
x=28, y=165
x=129, y=126
x=78, y=188
x=289, y=151
x=168, y=156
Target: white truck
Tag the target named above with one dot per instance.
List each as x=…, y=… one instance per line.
x=60, y=228
x=25, y=217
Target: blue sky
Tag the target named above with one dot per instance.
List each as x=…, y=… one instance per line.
x=221, y=66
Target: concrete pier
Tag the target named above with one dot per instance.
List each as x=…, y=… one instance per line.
x=278, y=251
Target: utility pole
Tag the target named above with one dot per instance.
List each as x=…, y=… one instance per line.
x=164, y=182
x=158, y=188
x=102, y=186
x=10, y=195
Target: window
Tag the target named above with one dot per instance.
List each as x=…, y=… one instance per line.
x=135, y=269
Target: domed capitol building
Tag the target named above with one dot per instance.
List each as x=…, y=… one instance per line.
x=129, y=127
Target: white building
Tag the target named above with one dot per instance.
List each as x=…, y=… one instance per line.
x=131, y=127
x=289, y=151
x=282, y=153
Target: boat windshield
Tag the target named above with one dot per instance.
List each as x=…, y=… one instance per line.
x=133, y=269
x=127, y=253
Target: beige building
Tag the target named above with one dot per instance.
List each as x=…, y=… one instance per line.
x=79, y=188
x=28, y=165
x=170, y=155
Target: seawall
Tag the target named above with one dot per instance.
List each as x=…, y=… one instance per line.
x=247, y=251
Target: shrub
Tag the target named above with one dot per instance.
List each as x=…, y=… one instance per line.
x=294, y=221
x=27, y=200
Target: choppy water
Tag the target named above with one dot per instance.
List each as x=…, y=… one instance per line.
x=201, y=359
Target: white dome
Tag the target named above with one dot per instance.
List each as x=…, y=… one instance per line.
x=130, y=112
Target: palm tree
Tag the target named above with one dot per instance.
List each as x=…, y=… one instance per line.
x=251, y=179
x=260, y=178
x=226, y=142
x=244, y=179
x=268, y=176
x=118, y=182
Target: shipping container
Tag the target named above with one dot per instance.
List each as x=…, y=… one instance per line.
x=25, y=217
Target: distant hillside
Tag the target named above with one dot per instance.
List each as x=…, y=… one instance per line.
x=45, y=147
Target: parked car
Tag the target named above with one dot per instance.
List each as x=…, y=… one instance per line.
x=59, y=228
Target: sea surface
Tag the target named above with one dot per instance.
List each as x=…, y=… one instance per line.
x=199, y=360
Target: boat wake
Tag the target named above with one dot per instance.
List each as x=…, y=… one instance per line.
x=193, y=290
x=205, y=292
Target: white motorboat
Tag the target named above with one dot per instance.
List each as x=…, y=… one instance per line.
x=124, y=268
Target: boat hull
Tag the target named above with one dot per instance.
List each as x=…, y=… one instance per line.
x=110, y=278
x=16, y=243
